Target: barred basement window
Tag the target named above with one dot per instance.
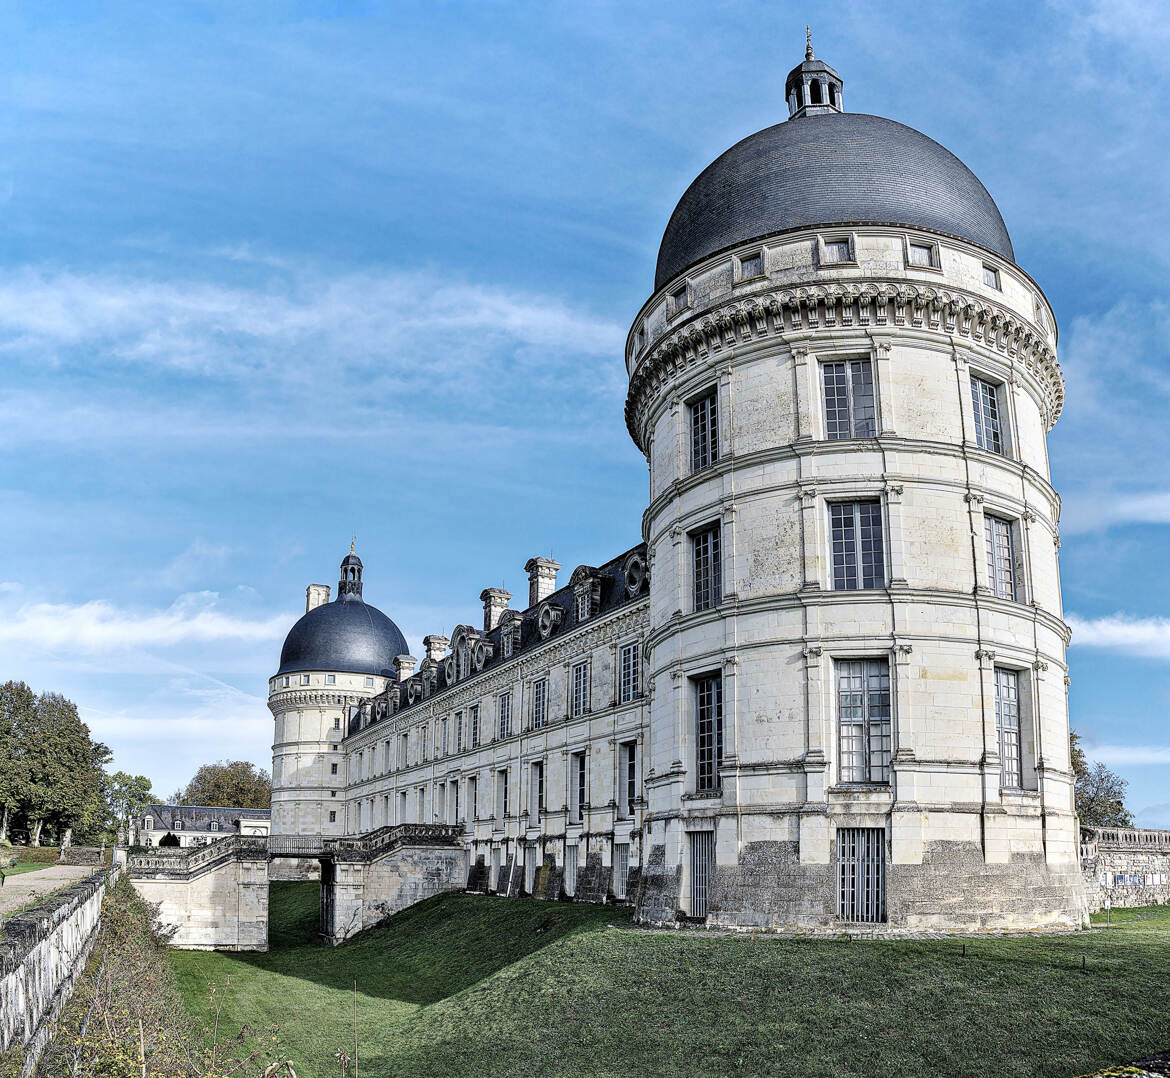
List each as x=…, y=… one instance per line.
x=621, y=869
x=988, y=424
x=1001, y=557
x=1007, y=727
x=505, y=715
x=858, y=548
x=628, y=688
x=702, y=862
x=571, y=853
x=474, y=719
x=863, y=713
x=707, y=569
x=861, y=874
x=704, y=432
x=849, y=399
x=708, y=732
x=580, y=697
x=539, y=703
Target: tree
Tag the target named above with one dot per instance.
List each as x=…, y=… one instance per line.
x=127, y=795
x=16, y=708
x=229, y=784
x=1100, y=792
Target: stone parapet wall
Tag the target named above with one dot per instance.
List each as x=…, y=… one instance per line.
x=42, y=952
x=1125, y=867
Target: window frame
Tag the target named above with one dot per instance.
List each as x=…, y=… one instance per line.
x=992, y=278
x=629, y=681
x=850, y=397
x=1009, y=708
x=850, y=774
x=740, y=274
x=703, y=408
x=504, y=715
x=708, y=742
x=579, y=689
x=983, y=387
x=675, y=307
x=824, y=239
x=857, y=568
x=995, y=527
x=931, y=245
x=710, y=595
x=540, y=703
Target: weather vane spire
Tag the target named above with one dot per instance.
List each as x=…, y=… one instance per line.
x=808, y=53
x=352, y=543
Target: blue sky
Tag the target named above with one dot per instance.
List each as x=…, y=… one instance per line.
x=273, y=274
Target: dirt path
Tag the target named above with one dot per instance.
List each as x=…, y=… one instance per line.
x=20, y=890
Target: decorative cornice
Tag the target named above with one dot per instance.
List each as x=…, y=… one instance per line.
x=812, y=308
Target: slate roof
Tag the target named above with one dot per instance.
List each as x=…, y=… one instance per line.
x=199, y=817
x=828, y=169
x=347, y=636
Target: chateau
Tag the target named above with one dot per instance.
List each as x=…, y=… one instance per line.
x=828, y=684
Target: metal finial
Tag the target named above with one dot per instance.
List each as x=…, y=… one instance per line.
x=808, y=53
x=352, y=542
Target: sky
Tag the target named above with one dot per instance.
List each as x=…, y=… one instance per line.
x=272, y=275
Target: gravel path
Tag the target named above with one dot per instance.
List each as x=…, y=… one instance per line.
x=20, y=890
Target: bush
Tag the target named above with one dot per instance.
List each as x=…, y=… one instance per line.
x=126, y=1017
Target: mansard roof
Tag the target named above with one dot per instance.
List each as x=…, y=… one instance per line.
x=200, y=817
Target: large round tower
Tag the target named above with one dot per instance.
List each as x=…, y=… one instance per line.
x=843, y=385
x=338, y=654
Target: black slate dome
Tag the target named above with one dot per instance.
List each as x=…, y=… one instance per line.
x=346, y=636
x=830, y=168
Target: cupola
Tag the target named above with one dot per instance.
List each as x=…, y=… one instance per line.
x=813, y=87
x=350, y=584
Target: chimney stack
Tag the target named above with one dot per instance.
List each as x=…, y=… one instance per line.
x=542, y=578
x=436, y=646
x=404, y=666
x=495, y=602
x=316, y=595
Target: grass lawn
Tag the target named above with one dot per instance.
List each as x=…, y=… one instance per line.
x=467, y=985
x=23, y=866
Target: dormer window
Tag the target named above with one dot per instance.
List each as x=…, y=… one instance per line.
x=214, y=826
x=176, y=824
x=148, y=823
x=586, y=583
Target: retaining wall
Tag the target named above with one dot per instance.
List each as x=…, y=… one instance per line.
x=1125, y=867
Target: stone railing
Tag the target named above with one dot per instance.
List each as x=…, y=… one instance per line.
x=374, y=843
x=42, y=952
x=194, y=860
x=1124, y=838
x=295, y=845
x=1125, y=867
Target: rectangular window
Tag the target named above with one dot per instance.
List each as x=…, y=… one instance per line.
x=1001, y=557
x=403, y=744
x=473, y=797
x=441, y=803
x=494, y=882
x=333, y=817
x=679, y=298
x=628, y=665
x=422, y=742
x=988, y=424
x=577, y=787
x=330, y=679
x=861, y=874
x=708, y=732
x=858, y=549
x=337, y=723
x=849, y=399
x=443, y=737
x=704, y=432
x=369, y=683
x=571, y=852
x=837, y=250
x=1007, y=727
x=422, y=805
x=580, y=696
x=707, y=568
x=474, y=718
x=863, y=714
x=333, y=769
x=458, y=731
x=285, y=683
x=922, y=254
x=621, y=869
x=530, y=867
x=536, y=783
x=502, y=793
x=304, y=679
x=627, y=778
x=539, y=703
x=751, y=266
x=702, y=862
x=991, y=277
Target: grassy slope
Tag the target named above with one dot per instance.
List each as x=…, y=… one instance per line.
x=24, y=866
x=467, y=985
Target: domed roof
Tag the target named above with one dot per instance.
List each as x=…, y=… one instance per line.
x=347, y=636
x=831, y=168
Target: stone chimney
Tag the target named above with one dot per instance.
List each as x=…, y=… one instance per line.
x=436, y=646
x=495, y=602
x=542, y=578
x=316, y=595
x=404, y=666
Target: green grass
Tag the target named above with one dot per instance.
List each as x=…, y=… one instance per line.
x=23, y=866
x=481, y=986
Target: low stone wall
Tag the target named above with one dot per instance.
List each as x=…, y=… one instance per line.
x=42, y=952
x=214, y=897
x=1125, y=867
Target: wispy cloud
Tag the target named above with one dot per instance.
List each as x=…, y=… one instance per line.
x=1128, y=755
x=101, y=626
x=1148, y=637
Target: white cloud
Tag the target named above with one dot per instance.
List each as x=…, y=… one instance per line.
x=1148, y=637
x=1123, y=755
x=100, y=626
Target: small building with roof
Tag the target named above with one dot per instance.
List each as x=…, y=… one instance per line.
x=194, y=825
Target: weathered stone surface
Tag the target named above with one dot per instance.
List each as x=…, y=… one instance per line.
x=1124, y=867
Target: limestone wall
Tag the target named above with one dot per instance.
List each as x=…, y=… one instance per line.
x=1126, y=867
x=214, y=897
x=42, y=951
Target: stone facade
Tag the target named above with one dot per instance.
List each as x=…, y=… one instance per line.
x=214, y=897
x=195, y=825
x=1125, y=867
x=41, y=955
x=830, y=684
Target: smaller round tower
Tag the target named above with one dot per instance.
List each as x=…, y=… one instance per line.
x=337, y=655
